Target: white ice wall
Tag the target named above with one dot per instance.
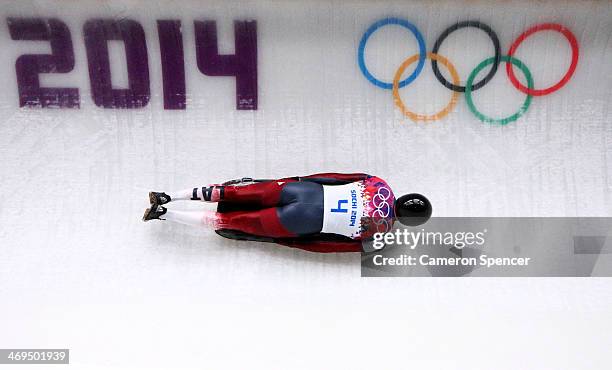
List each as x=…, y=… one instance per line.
x=78, y=269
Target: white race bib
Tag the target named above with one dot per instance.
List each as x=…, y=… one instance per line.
x=343, y=209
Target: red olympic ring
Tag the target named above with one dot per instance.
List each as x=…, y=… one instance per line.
x=572, y=68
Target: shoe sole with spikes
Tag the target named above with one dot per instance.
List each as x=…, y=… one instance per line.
x=156, y=198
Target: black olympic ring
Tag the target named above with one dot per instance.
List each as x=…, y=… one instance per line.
x=444, y=35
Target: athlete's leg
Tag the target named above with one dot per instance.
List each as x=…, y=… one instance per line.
x=209, y=193
x=263, y=222
x=263, y=194
x=290, y=208
x=195, y=218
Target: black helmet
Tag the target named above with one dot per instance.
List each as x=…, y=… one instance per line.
x=412, y=209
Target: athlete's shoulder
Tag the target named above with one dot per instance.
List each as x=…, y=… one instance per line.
x=375, y=182
x=334, y=178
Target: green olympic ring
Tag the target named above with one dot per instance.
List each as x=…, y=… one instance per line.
x=470, y=81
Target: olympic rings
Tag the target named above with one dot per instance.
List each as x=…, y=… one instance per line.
x=383, y=22
x=383, y=210
x=572, y=68
x=468, y=90
x=444, y=35
x=382, y=204
x=421, y=117
x=470, y=86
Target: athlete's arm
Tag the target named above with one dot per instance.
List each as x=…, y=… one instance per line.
x=322, y=246
x=331, y=178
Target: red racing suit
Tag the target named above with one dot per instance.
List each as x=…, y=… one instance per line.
x=325, y=212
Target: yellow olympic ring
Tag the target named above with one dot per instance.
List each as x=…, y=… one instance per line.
x=422, y=117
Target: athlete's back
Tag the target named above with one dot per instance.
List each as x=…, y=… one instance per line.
x=358, y=209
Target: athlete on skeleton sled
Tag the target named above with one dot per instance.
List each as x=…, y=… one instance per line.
x=326, y=212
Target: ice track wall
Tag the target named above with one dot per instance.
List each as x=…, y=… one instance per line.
x=102, y=101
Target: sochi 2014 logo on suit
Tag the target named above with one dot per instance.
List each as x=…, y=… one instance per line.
x=470, y=85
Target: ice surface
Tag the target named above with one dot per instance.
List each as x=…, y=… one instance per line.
x=78, y=269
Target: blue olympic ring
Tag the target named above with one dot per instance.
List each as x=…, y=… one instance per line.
x=422, y=52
